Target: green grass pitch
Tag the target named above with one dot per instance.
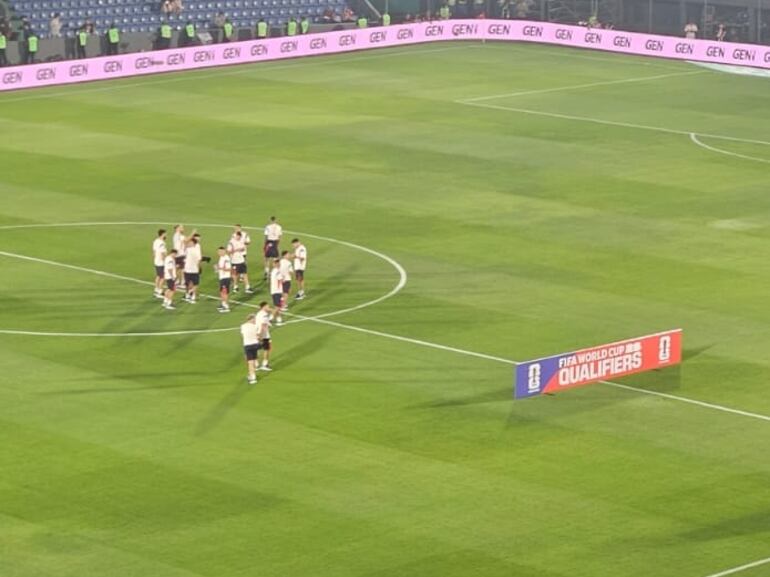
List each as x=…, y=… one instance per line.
x=523, y=234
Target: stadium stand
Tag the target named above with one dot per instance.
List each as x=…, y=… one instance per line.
x=143, y=16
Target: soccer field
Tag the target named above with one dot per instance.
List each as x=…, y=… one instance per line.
x=465, y=206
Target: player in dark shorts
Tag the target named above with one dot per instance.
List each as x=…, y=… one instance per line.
x=224, y=270
x=251, y=346
x=263, y=325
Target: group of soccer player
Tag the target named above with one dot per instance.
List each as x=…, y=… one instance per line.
x=181, y=267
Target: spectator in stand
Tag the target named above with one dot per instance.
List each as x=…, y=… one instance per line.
x=219, y=20
x=90, y=26
x=176, y=6
x=32, y=45
x=163, y=41
x=328, y=15
x=3, y=44
x=113, y=40
x=721, y=33
x=691, y=30
x=348, y=15
x=188, y=36
x=54, y=26
x=165, y=7
x=81, y=41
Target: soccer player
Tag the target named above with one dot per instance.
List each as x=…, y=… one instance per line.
x=286, y=273
x=236, y=248
x=244, y=236
x=192, y=268
x=224, y=270
x=169, y=274
x=159, y=259
x=300, y=263
x=273, y=232
x=263, y=326
x=179, y=242
x=251, y=346
x=276, y=290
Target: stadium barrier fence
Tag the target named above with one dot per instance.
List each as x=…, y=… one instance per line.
x=251, y=51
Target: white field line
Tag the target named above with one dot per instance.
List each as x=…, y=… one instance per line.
x=402, y=274
x=579, y=86
x=576, y=53
x=419, y=342
x=246, y=68
x=611, y=122
x=741, y=568
x=694, y=138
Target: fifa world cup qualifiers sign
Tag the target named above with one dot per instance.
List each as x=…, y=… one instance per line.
x=602, y=363
x=250, y=51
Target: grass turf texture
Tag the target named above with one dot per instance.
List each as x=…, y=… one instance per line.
x=360, y=455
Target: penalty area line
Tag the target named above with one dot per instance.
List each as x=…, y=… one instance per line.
x=741, y=568
x=696, y=140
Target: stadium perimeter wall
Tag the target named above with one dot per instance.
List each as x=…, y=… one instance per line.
x=144, y=63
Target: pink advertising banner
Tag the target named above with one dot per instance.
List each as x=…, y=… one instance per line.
x=141, y=63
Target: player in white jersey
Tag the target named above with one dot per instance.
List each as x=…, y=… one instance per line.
x=159, y=259
x=179, y=241
x=287, y=270
x=192, y=268
x=244, y=236
x=263, y=326
x=224, y=268
x=169, y=275
x=300, y=264
x=273, y=232
x=276, y=290
x=251, y=346
x=236, y=248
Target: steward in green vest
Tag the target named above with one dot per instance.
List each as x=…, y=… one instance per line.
x=227, y=31
x=362, y=22
x=81, y=41
x=113, y=40
x=443, y=12
x=3, y=45
x=386, y=19
x=32, y=41
x=291, y=28
x=305, y=25
x=188, y=34
x=261, y=29
x=164, y=36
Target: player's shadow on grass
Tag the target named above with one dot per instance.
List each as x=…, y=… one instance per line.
x=495, y=396
x=302, y=350
x=220, y=410
x=136, y=316
x=333, y=282
x=131, y=389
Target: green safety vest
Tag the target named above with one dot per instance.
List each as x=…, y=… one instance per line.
x=386, y=19
x=83, y=38
x=228, y=29
x=165, y=31
x=3, y=41
x=114, y=35
x=32, y=43
x=190, y=30
x=362, y=22
x=305, y=24
x=291, y=28
x=261, y=29
x=444, y=12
